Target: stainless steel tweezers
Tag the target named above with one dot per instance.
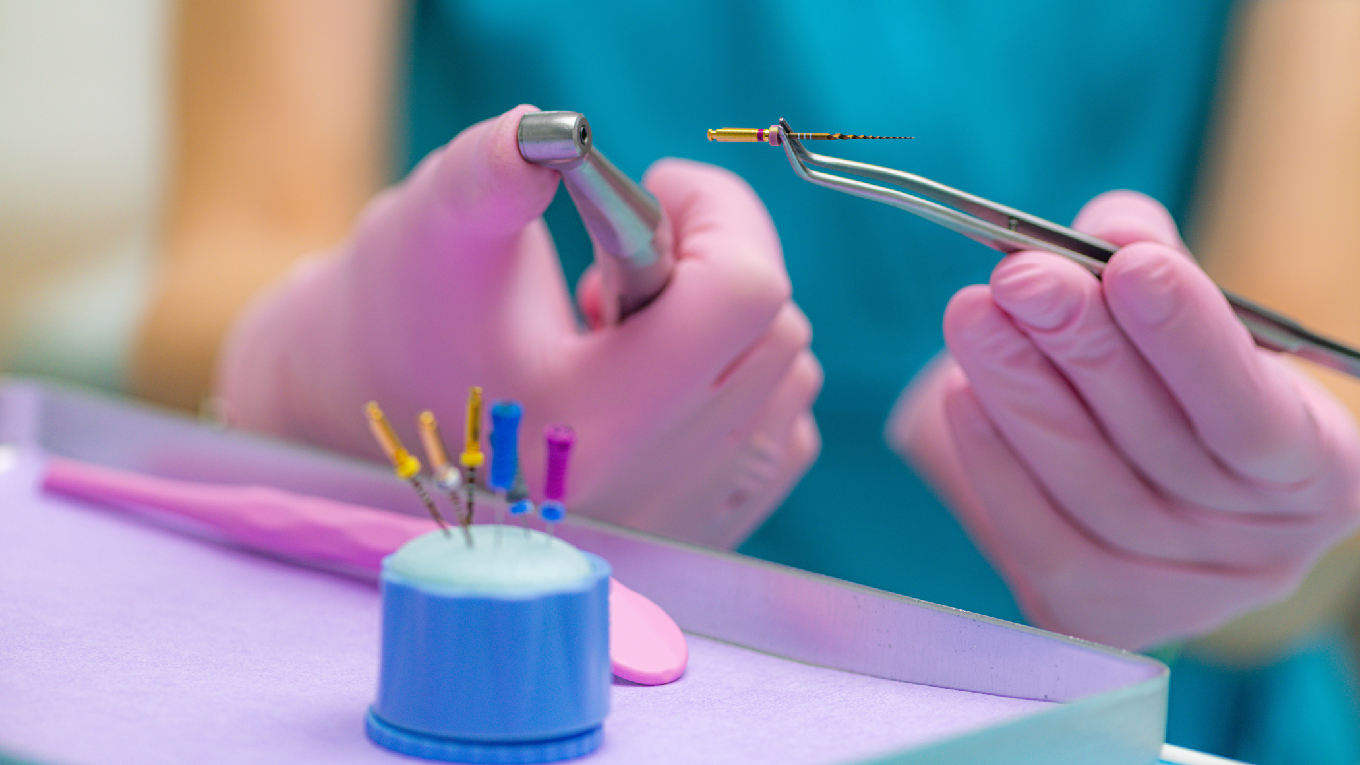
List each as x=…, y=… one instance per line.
x=1009, y=230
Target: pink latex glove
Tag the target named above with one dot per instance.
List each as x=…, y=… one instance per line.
x=1137, y=469
x=692, y=417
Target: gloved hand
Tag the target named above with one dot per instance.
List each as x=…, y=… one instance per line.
x=692, y=417
x=1137, y=469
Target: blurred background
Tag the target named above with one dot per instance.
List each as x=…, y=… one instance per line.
x=86, y=144
x=83, y=128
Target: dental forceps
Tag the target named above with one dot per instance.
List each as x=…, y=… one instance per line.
x=1008, y=230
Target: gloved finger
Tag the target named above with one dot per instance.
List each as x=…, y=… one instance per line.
x=726, y=290
x=668, y=187
x=746, y=468
x=1060, y=307
x=1244, y=406
x=776, y=381
x=1124, y=217
x=1068, y=582
x=760, y=479
x=742, y=388
x=694, y=193
x=761, y=470
x=918, y=431
x=916, y=416
x=773, y=413
x=797, y=449
x=1061, y=310
x=750, y=452
x=1042, y=418
x=590, y=297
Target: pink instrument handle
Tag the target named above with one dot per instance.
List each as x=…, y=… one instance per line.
x=646, y=646
x=309, y=528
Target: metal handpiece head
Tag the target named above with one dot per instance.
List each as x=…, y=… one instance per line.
x=560, y=140
x=633, y=244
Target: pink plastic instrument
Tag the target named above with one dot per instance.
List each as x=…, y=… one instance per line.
x=645, y=645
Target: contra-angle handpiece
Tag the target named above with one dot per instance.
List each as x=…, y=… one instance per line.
x=634, y=248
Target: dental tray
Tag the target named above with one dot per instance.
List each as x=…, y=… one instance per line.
x=127, y=640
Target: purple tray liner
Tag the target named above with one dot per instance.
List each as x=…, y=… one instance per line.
x=125, y=641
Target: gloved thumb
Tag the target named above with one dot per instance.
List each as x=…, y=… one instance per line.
x=445, y=273
x=461, y=205
x=590, y=296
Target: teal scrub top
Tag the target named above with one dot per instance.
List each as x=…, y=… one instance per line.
x=1039, y=105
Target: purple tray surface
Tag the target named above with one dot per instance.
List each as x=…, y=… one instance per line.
x=126, y=640
x=124, y=637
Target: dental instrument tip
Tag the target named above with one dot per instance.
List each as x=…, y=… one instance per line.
x=403, y=462
x=773, y=136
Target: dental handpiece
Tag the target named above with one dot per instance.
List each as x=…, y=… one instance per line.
x=634, y=248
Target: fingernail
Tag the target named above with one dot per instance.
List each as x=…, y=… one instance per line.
x=1147, y=287
x=1034, y=295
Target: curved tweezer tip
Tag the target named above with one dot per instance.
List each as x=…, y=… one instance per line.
x=1001, y=228
x=793, y=149
x=799, y=158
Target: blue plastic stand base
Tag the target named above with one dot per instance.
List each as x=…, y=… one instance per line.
x=450, y=750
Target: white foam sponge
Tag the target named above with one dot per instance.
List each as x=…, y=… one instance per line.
x=501, y=560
